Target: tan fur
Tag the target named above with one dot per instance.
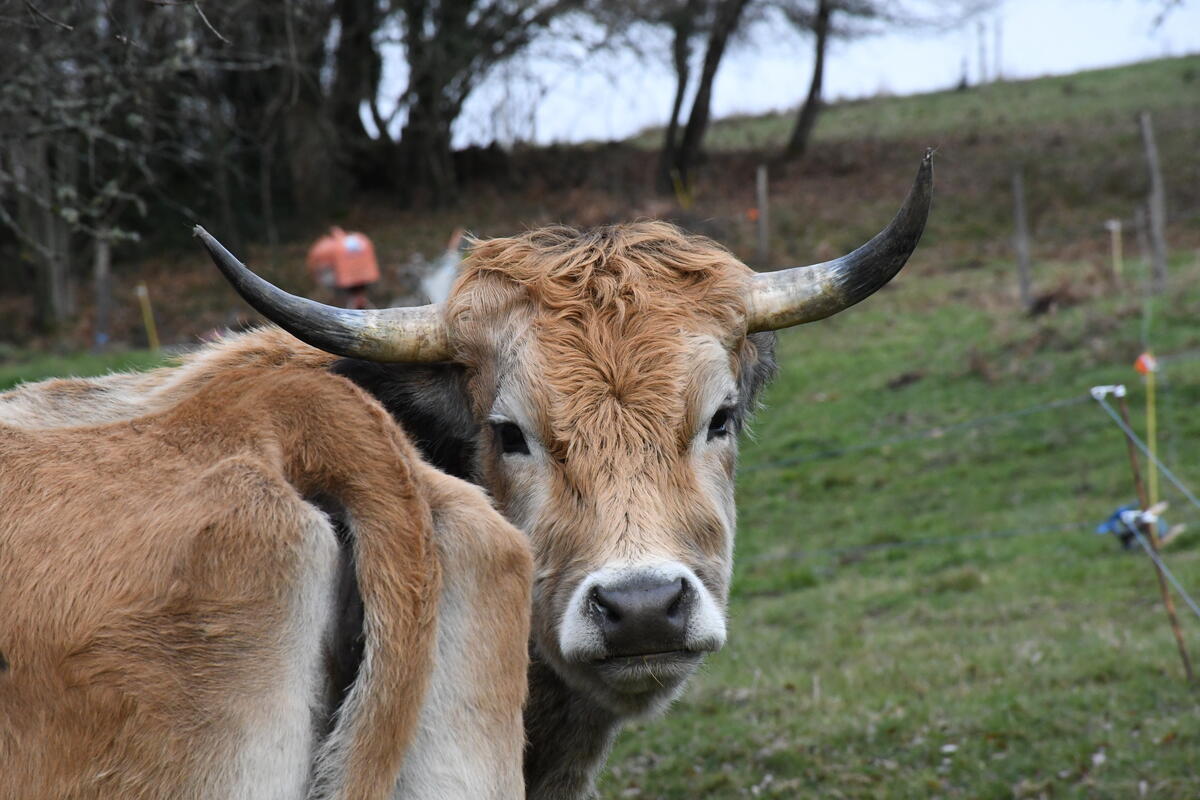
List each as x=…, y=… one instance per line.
x=145, y=578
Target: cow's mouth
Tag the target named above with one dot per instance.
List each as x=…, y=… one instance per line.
x=647, y=672
x=659, y=656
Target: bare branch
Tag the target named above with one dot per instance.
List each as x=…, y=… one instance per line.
x=38, y=12
x=209, y=25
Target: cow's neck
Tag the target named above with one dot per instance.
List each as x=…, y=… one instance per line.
x=567, y=735
x=567, y=738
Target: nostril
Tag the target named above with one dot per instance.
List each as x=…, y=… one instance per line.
x=679, y=603
x=606, y=607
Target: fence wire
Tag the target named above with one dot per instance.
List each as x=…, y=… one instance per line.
x=1187, y=598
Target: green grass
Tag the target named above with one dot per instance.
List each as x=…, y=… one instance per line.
x=20, y=368
x=1033, y=663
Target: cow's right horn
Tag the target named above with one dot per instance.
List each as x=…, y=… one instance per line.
x=805, y=294
x=416, y=334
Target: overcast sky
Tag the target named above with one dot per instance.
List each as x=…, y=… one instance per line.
x=610, y=97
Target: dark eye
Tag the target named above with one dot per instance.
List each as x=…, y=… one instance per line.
x=510, y=438
x=719, y=424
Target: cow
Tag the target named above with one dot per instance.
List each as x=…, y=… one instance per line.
x=594, y=383
x=237, y=578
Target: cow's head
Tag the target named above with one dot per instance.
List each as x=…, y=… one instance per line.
x=606, y=376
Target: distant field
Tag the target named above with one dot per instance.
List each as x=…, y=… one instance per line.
x=1102, y=97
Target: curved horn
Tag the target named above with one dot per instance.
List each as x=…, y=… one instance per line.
x=806, y=294
x=415, y=334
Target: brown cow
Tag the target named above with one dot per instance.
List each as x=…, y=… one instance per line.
x=247, y=584
x=595, y=384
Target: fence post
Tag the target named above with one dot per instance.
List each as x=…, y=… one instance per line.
x=1151, y=534
x=1157, y=204
x=763, y=251
x=1021, y=240
x=1118, y=255
x=143, y=296
x=101, y=275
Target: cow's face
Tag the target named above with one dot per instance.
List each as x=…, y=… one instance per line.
x=609, y=376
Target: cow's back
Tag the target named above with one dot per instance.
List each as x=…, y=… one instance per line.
x=166, y=595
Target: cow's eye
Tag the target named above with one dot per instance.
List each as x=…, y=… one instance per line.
x=719, y=424
x=510, y=438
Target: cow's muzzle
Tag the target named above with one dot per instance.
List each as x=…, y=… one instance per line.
x=645, y=613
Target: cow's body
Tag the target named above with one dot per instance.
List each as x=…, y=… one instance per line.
x=178, y=617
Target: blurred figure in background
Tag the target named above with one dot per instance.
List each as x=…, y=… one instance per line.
x=344, y=262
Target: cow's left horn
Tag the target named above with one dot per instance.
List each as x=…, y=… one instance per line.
x=806, y=294
x=416, y=334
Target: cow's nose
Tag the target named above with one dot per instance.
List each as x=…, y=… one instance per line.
x=643, y=616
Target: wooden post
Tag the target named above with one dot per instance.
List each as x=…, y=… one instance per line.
x=101, y=265
x=763, y=251
x=1157, y=205
x=1118, y=260
x=1021, y=240
x=1151, y=535
x=143, y=295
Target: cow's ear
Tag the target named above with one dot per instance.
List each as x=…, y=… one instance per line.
x=431, y=404
x=757, y=369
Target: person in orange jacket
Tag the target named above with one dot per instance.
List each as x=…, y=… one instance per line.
x=344, y=261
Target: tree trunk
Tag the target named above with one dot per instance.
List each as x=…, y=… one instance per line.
x=726, y=22
x=45, y=231
x=315, y=181
x=357, y=68
x=807, y=118
x=684, y=26
x=231, y=234
x=426, y=158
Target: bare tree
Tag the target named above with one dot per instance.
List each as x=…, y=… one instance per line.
x=818, y=22
x=687, y=20
x=826, y=19
x=679, y=158
x=104, y=107
x=450, y=47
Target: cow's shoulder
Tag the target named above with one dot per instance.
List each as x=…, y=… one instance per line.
x=164, y=616
x=170, y=590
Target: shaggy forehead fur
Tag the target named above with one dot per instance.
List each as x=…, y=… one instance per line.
x=609, y=311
